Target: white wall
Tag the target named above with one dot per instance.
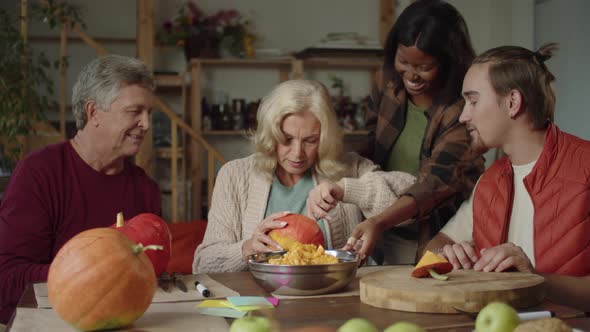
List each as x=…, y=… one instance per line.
x=566, y=22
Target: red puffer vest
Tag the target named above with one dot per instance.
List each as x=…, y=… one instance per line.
x=559, y=187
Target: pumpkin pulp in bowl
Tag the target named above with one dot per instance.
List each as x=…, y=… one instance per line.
x=303, y=280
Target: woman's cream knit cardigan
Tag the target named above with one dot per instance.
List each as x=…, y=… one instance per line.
x=241, y=194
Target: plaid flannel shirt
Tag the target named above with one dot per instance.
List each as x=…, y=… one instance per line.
x=448, y=167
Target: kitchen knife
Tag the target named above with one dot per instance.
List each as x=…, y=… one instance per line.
x=164, y=285
x=178, y=282
x=164, y=281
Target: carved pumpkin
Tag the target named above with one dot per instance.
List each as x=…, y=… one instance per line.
x=101, y=280
x=299, y=229
x=433, y=265
x=148, y=229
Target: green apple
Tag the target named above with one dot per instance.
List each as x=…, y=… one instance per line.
x=357, y=325
x=496, y=317
x=251, y=324
x=404, y=327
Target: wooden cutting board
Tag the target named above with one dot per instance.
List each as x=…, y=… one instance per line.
x=467, y=290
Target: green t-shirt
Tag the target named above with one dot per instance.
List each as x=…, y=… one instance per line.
x=405, y=154
x=293, y=199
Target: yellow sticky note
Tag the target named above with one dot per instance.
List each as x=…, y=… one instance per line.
x=220, y=308
x=215, y=304
x=252, y=307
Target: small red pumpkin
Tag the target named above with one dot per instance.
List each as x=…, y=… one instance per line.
x=299, y=229
x=101, y=280
x=148, y=229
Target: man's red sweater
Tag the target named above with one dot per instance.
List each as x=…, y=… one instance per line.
x=52, y=196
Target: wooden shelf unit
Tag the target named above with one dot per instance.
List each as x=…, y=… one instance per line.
x=171, y=80
x=288, y=68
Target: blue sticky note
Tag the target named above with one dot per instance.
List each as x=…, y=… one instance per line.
x=259, y=301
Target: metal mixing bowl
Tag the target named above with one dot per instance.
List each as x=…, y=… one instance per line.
x=303, y=279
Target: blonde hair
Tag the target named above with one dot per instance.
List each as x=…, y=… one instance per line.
x=293, y=97
x=517, y=68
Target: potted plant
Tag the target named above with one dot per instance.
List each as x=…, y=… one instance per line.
x=207, y=36
x=26, y=90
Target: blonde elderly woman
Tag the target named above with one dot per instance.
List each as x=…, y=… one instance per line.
x=298, y=145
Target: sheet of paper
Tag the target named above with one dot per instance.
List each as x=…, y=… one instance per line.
x=216, y=289
x=160, y=317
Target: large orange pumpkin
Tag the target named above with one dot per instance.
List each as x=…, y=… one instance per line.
x=148, y=229
x=299, y=229
x=100, y=280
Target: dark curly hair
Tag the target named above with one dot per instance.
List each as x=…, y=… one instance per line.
x=438, y=29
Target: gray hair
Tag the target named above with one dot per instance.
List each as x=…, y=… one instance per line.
x=102, y=79
x=293, y=97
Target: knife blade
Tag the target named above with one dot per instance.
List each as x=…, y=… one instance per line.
x=179, y=283
x=164, y=281
x=164, y=285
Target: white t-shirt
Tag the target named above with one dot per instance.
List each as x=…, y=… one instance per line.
x=521, y=228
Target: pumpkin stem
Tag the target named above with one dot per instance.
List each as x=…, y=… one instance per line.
x=120, y=220
x=437, y=276
x=137, y=248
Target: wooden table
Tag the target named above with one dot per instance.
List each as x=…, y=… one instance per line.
x=334, y=311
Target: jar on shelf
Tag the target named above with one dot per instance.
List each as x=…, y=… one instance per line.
x=206, y=122
x=238, y=106
x=251, y=111
x=361, y=112
x=223, y=118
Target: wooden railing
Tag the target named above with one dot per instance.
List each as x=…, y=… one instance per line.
x=175, y=120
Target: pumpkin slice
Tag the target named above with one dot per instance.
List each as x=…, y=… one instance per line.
x=433, y=265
